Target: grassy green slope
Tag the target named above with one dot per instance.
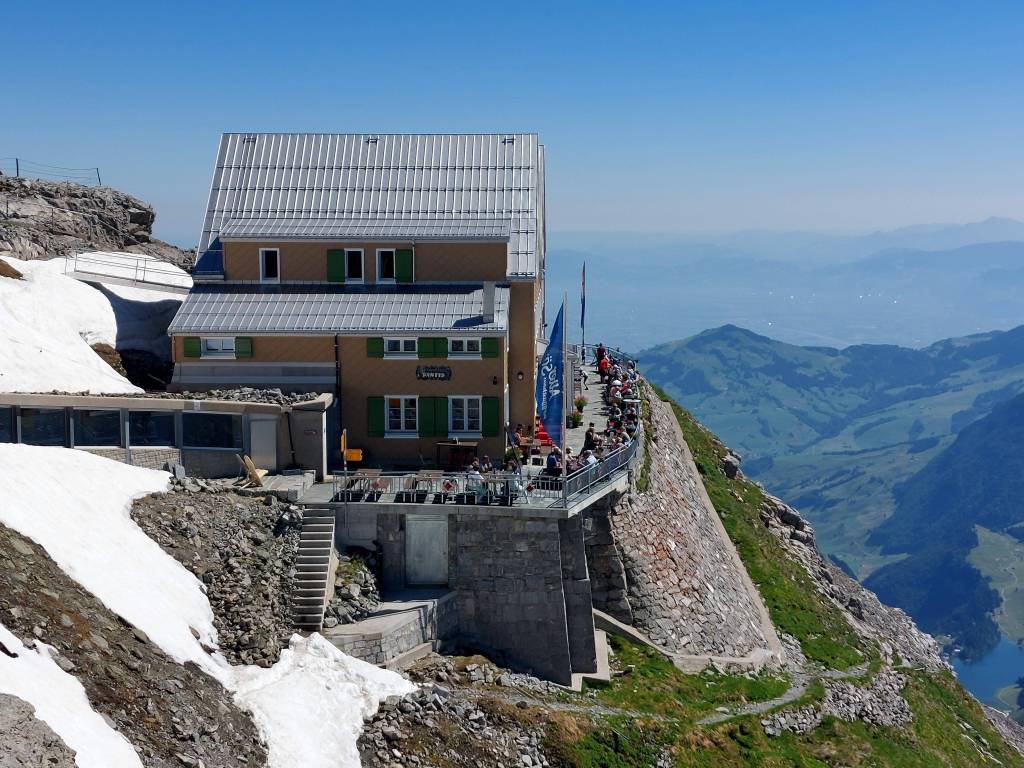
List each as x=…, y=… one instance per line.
x=949, y=727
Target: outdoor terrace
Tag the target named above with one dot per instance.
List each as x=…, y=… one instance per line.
x=529, y=490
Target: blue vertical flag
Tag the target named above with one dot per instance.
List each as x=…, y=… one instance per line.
x=551, y=383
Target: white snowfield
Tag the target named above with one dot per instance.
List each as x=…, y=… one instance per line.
x=48, y=320
x=60, y=702
x=76, y=506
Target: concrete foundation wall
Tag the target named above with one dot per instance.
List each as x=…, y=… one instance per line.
x=579, y=613
x=507, y=574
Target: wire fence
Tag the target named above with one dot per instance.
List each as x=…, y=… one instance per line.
x=30, y=169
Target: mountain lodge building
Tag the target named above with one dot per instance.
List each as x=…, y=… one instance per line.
x=402, y=273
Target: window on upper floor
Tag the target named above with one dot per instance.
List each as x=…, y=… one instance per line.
x=219, y=346
x=386, y=265
x=399, y=347
x=270, y=265
x=353, y=265
x=468, y=347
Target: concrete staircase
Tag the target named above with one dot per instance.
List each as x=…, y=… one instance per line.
x=313, y=569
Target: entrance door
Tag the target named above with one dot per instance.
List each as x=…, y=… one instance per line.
x=426, y=550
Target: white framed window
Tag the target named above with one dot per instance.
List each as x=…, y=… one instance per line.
x=386, y=265
x=270, y=265
x=466, y=347
x=218, y=346
x=353, y=265
x=401, y=414
x=464, y=414
x=399, y=347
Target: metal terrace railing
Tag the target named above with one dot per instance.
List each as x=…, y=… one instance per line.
x=509, y=489
x=133, y=269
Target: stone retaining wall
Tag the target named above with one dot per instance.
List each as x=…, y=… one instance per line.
x=685, y=586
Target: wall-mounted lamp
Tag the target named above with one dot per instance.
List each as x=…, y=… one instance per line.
x=494, y=381
x=520, y=376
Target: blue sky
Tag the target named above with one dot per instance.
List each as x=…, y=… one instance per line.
x=669, y=117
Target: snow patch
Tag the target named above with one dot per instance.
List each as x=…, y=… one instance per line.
x=313, y=701
x=76, y=506
x=47, y=322
x=309, y=706
x=60, y=701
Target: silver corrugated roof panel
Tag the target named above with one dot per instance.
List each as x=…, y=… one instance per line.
x=382, y=228
x=296, y=309
x=366, y=176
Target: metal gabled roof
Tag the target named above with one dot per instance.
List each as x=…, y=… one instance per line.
x=318, y=309
x=385, y=229
x=320, y=177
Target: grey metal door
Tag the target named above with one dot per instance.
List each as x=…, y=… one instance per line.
x=426, y=550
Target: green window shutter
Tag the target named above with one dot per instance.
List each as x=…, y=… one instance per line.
x=491, y=408
x=243, y=346
x=489, y=346
x=427, y=346
x=375, y=347
x=336, y=266
x=193, y=346
x=403, y=266
x=441, y=417
x=375, y=416
x=425, y=408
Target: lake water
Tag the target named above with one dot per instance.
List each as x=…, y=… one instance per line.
x=997, y=669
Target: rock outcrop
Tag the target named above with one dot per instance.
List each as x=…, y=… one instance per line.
x=27, y=741
x=46, y=219
x=898, y=638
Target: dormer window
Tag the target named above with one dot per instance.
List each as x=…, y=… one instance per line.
x=270, y=265
x=386, y=265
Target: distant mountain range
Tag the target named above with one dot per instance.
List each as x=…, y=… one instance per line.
x=838, y=431
x=908, y=286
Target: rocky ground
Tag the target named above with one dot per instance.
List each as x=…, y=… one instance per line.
x=879, y=703
x=44, y=219
x=466, y=712
x=356, y=595
x=27, y=741
x=173, y=715
x=243, y=549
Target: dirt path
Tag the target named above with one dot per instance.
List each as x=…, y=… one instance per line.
x=800, y=680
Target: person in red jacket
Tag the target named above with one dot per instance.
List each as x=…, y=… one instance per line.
x=603, y=365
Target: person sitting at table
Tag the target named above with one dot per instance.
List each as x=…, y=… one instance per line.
x=475, y=481
x=590, y=438
x=589, y=459
x=553, y=465
x=486, y=465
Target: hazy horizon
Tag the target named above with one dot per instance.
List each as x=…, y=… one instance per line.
x=680, y=118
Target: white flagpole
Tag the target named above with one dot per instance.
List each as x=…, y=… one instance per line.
x=566, y=385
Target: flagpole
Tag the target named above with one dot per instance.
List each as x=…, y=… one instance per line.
x=566, y=395
x=583, y=316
